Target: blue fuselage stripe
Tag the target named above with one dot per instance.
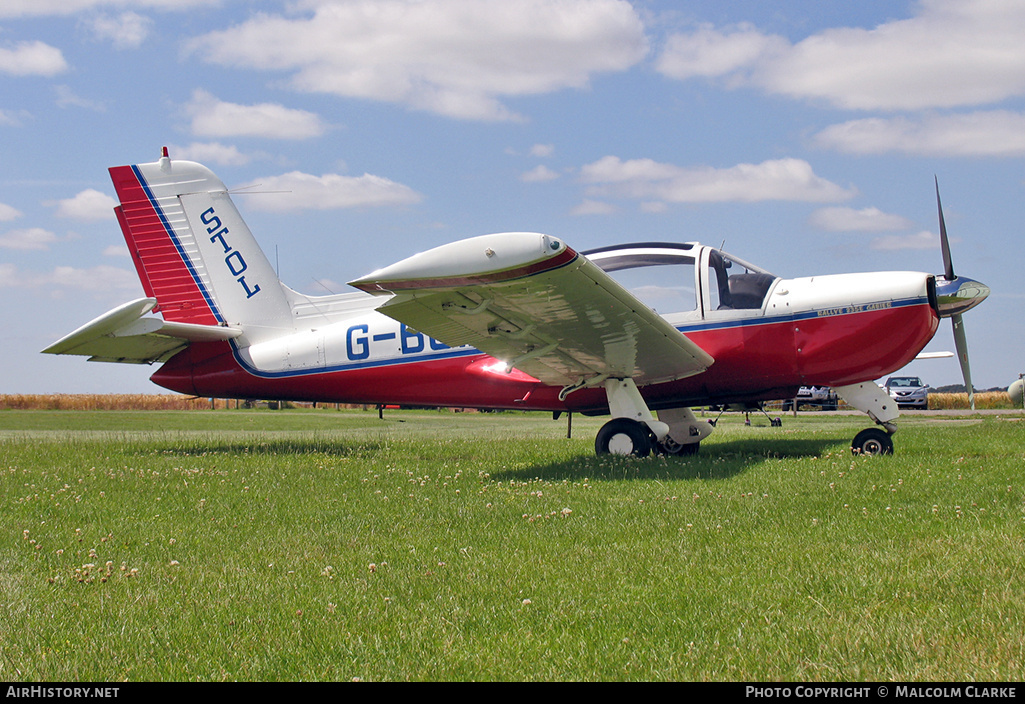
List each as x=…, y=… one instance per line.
x=458, y=352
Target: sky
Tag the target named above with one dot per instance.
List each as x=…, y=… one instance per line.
x=802, y=136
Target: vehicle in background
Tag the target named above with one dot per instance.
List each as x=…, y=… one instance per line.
x=908, y=391
x=821, y=396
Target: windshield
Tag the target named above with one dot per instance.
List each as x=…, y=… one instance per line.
x=904, y=381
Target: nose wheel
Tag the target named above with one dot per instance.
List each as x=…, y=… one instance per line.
x=872, y=441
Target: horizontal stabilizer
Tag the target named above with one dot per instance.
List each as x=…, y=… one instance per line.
x=125, y=334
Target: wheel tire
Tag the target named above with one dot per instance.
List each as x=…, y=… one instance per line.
x=671, y=447
x=872, y=441
x=622, y=436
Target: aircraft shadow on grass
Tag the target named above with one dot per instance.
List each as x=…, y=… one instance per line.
x=276, y=447
x=719, y=461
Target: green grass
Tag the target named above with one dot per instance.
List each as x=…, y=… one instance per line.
x=313, y=545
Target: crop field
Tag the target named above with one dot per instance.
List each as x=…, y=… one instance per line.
x=318, y=544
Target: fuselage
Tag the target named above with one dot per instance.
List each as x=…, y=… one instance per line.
x=829, y=330
x=624, y=330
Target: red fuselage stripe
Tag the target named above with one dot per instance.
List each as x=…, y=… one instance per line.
x=752, y=362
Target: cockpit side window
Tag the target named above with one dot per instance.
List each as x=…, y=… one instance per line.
x=748, y=289
x=665, y=278
x=735, y=285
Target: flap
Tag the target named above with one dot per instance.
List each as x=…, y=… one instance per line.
x=532, y=302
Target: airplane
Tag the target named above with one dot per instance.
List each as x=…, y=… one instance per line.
x=514, y=320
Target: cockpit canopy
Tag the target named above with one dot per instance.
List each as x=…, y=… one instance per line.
x=685, y=278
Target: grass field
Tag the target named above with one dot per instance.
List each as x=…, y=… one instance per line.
x=330, y=545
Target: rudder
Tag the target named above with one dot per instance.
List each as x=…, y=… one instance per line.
x=193, y=251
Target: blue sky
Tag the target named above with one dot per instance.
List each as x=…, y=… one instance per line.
x=805, y=135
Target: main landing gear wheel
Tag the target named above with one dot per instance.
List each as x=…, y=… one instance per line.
x=622, y=436
x=872, y=441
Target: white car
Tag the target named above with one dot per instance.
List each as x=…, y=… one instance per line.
x=821, y=396
x=908, y=391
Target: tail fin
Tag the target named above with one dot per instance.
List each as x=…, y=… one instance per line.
x=193, y=251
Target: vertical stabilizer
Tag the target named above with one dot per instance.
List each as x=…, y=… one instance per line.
x=193, y=251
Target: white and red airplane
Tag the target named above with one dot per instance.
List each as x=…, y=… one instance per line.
x=508, y=321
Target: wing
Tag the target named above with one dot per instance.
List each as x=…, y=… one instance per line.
x=125, y=335
x=532, y=302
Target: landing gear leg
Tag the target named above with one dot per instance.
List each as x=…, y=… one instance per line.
x=880, y=407
x=773, y=422
x=632, y=430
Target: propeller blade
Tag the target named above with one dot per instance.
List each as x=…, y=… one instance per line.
x=961, y=343
x=948, y=265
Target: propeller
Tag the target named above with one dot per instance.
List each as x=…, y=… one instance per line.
x=955, y=295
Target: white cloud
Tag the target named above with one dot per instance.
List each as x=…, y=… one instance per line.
x=32, y=238
x=211, y=153
x=539, y=174
x=452, y=57
x=710, y=53
x=97, y=279
x=32, y=59
x=116, y=250
x=125, y=31
x=593, y=207
x=648, y=180
x=329, y=192
x=89, y=204
x=542, y=150
x=63, y=8
x=921, y=240
x=215, y=118
x=949, y=53
x=9, y=119
x=67, y=98
x=611, y=169
x=654, y=207
x=851, y=220
x=7, y=213
x=994, y=133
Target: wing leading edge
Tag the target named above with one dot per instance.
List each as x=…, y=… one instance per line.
x=537, y=305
